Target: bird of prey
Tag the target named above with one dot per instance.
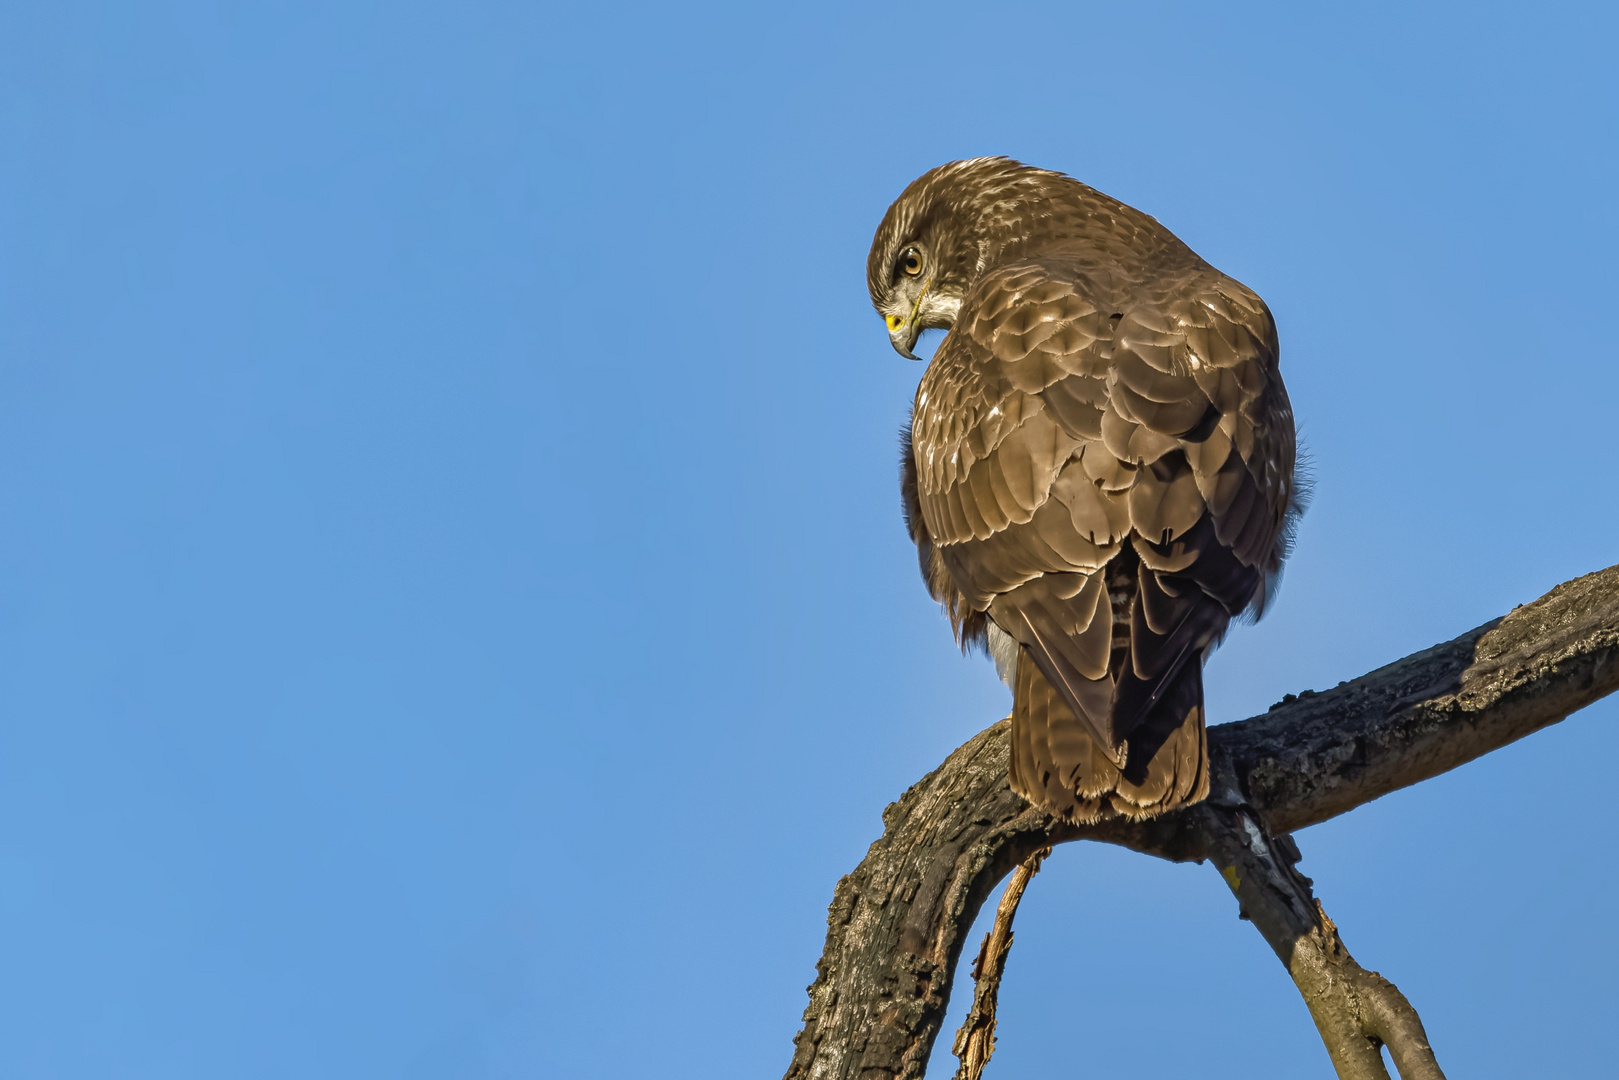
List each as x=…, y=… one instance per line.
x=1099, y=469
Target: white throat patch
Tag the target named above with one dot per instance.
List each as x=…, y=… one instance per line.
x=936, y=307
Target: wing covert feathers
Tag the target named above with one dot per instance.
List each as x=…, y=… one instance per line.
x=1101, y=461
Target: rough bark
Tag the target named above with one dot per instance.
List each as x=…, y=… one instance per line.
x=896, y=924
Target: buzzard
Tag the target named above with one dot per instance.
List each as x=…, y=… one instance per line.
x=1099, y=469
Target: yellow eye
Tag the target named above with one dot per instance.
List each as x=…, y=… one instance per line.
x=911, y=262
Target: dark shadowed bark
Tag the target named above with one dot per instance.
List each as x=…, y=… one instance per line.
x=896, y=923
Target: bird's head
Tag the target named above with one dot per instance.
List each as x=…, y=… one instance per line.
x=938, y=237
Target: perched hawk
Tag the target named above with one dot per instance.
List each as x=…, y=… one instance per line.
x=1098, y=474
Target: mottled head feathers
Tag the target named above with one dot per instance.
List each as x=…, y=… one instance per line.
x=955, y=222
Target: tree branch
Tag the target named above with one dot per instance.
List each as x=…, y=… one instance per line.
x=1356, y=1011
x=895, y=926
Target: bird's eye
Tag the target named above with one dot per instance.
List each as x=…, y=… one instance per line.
x=911, y=262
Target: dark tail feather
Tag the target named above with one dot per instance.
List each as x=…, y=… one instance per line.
x=1058, y=766
x=1168, y=762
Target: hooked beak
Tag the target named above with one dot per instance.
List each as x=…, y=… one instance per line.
x=903, y=331
x=902, y=334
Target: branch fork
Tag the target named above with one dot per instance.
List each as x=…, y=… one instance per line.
x=896, y=924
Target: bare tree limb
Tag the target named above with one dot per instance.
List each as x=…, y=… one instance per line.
x=975, y=1042
x=1356, y=1011
x=896, y=923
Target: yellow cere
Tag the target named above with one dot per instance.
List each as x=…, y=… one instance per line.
x=894, y=322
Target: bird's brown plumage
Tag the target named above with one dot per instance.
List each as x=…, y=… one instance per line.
x=1099, y=472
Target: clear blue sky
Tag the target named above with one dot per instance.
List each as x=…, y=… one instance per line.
x=455, y=620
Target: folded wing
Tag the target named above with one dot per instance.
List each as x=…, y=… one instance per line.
x=1105, y=473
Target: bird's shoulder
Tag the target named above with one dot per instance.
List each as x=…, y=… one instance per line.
x=1074, y=333
x=1070, y=364
x=1033, y=322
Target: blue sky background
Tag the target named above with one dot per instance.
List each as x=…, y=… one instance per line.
x=455, y=620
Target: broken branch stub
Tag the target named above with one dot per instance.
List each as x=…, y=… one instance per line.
x=975, y=1042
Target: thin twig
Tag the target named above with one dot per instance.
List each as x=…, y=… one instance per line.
x=975, y=1042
